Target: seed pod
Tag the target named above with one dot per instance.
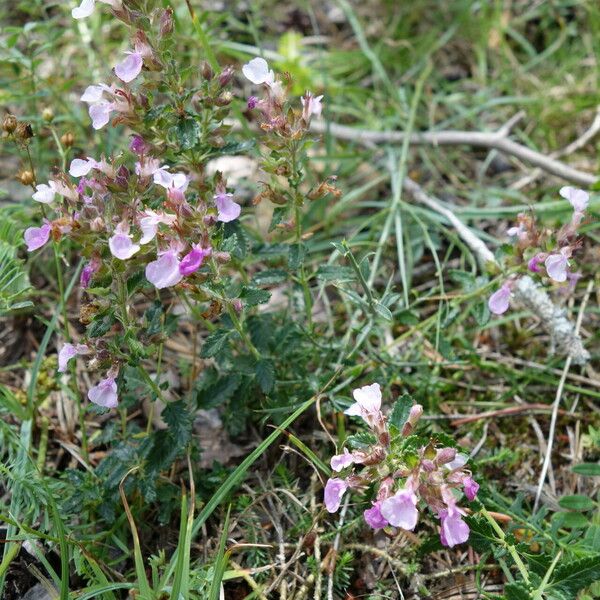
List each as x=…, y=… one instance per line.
x=67, y=139
x=48, y=115
x=224, y=99
x=206, y=71
x=9, y=124
x=26, y=177
x=23, y=132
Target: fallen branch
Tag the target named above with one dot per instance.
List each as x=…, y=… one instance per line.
x=563, y=334
x=496, y=140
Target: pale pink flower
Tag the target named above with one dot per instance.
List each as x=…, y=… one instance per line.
x=367, y=405
x=150, y=221
x=400, y=510
x=80, y=167
x=121, y=244
x=499, y=301
x=164, y=272
x=130, y=67
x=374, y=518
x=341, y=461
x=534, y=263
x=335, y=488
x=557, y=265
x=578, y=199
x=105, y=393
x=453, y=530
x=228, y=210
x=36, y=237
x=86, y=8
x=44, y=193
x=164, y=178
x=69, y=351
x=257, y=71
x=311, y=105
x=100, y=114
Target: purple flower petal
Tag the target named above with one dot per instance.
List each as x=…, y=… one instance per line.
x=36, y=237
x=500, y=300
x=557, y=267
x=100, y=114
x=374, y=518
x=192, y=261
x=453, y=530
x=228, y=210
x=44, y=193
x=334, y=490
x=578, y=199
x=470, y=488
x=341, y=461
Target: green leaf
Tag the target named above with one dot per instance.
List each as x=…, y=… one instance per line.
x=187, y=132
x=587, y=469
x=577, y=502
x=335, y=273
x=571, y=577
x=383, y=311
x=269, y=277
x=265, y=375
x=481, y=312
x=516, y=591
x=401, y=411
x=361, y=440
x=570, y=520
x=177, y=416
x=296, y=256
x=253, y=296
x=214, y=343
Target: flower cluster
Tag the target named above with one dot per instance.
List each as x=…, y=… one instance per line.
x=541, y=253
x=405, y=470
x=133, y=212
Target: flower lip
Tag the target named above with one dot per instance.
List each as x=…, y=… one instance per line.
x=257, y=71
x=335, y=489
x=578, y=199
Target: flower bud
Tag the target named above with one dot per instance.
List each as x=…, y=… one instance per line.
x=48, y=115
x=26, y=177
x=9, y=124
x=67, y=139
x=222, y=257
x=445, y=455
x=206, y=71
x=226, y=76
x=166, y=22
x=224, y=99
x=23, y=131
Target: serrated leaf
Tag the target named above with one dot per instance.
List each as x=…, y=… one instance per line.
x=570, y=520
x=296, y=255
x=270, y=276
x=187, y=132
x=177, y=416
x=214, y=343
x=401, y=411
x=253, y=296
x=361, y=440
x=335, y=273
x=265, y=375
x=571, y=577
x=516, y=591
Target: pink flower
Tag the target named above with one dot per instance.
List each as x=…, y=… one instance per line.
x=228, y=210
x=36, y=237
x=130, y=67
x=400, y=510
x=470, y=488
x=341, y=461
x=177, y=181
x=99, y=108
x=557, y=265
x=164, y=272
x=257, y=71
x=138, y=145
x=80, y=167
x=459, y=462
x=100, y=114
x=311, y=105
x=88, y=272
x=453, y=530
x=44, y=193
x=69, y=351
x=105, y=393
x=367, y=405
x=534, y=263
x=374, y=518
x=334, y=490
x=192, y=261
x=150, y=221
x=578, y=199
x=121, y=244
x=500, y=300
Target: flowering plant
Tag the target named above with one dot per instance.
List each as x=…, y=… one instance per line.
x=406, y=470
x=543, y=252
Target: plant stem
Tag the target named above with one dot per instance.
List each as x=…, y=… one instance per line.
x=240, y=329
x=511, y=549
